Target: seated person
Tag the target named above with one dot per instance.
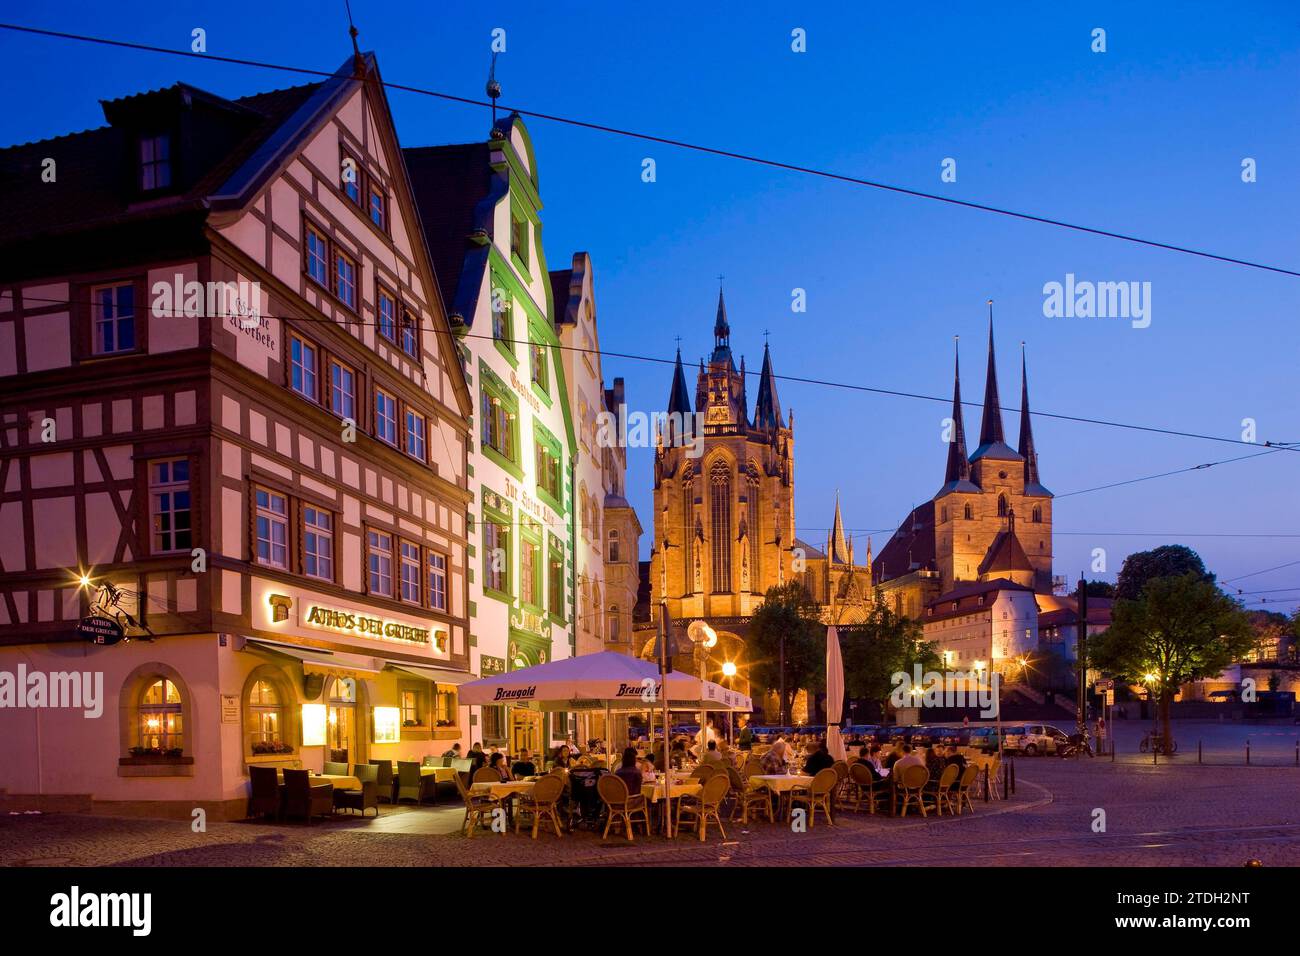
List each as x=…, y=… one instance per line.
x=561, y=757
x=934, y=761
x=523, y=765
x=774, y=760
x=910, y=758
x=955, y=756
x=497, y=762
x=452, y=754
x=819, y=760
x=628, y=772
x=712, y=755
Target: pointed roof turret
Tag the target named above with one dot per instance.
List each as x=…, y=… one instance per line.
x=1027, y=450
x=838, y=551
x=992, y=441
x=767, y=413
x=679, y=399
x=721, y=333
x=957, y=476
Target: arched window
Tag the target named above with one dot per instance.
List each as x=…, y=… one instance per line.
x=720, y=521
x=754, y=530
x=1037, y=514
x=615, y=632
x=611, y=553
x=266, y=711
x=161, y=723
x=1002, y=506
x=688, y=539
x=969, y=513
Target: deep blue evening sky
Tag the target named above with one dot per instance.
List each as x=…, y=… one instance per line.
x=1147, y=138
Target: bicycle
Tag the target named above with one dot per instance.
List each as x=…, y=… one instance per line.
x=1156, y=741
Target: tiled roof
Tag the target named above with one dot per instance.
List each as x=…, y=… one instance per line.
x=967, y=598
x=449, y=183
x=1005, y=554
x=911, y=548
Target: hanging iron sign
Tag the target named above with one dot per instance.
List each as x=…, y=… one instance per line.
x=98, y=629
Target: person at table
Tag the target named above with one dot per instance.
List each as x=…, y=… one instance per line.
x=910, y=758
x=498, y=763
x=871, y=757
x=477, y=758
x=895, y=754
x=647, y=764
x=956, y=756
x=628, y=771
x=712, y=755
x=819, y=760
x=453, y=753
x=774, y=759
x=934, y=761
x=678, y=753
x=561, y=757
x=523, y=765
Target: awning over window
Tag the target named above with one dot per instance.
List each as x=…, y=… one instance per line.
x=436, y=674
x=316, y=660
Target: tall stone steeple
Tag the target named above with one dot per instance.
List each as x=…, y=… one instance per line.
x=1026, y=449
x=721, y=333
x=767, y=413
x=958, y=464
x=991, y=426
x=679, y=399
x=837, y=549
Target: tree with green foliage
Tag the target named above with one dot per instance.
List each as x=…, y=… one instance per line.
x=1101, y=589
x=788, y=625
x=880, y=647
x=1178, y=629
x=1166, y=561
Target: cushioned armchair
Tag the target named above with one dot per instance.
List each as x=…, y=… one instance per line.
x=264, y=792
x=367, y=797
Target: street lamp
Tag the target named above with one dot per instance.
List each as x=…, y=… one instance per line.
x=703, y=637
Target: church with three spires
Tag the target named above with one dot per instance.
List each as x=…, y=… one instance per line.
x=986, y=532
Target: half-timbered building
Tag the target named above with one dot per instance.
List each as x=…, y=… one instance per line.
x=233, y=428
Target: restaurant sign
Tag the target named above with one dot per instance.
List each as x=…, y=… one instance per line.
x=489, y=666
x=98, y=629
x=348, y=622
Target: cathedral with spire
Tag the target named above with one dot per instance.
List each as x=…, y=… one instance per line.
x=990, y=521
x=724, y=511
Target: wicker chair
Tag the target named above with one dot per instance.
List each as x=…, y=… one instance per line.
x=621, y=804
x=911, y=782
x=708, y=805
x=995, y=782
x=968, y=778
x=938, y=792
x=542, y=803
x=756, y=797
x=752, y=768
x=301, y=799
x=841, y=768
x=264, y=795
x=819, y=793
x=863, y=788
x=366, y=798
x=486, y=775
x=478, y=806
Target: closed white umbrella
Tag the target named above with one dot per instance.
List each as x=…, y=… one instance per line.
x=834, y=693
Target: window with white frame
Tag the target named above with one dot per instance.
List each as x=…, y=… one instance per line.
x=437, y=581
x=410, y=572
x=113, y=318
x=385, y=417
x=272, y=522
x=318, y=543
x=303, y=365
x=415, y=429
x=387, y=315
x=379, y=548
x=155, y=162
x=343, y=391
x=345, y=279
x=169, y=505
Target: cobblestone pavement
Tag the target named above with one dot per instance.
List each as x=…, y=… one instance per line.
x=1180, y=815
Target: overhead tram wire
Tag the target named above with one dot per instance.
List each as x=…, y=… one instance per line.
x=1279, y=567
x=893, y=393
x=676, y=143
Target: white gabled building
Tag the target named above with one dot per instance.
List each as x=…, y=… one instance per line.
x=480, y=206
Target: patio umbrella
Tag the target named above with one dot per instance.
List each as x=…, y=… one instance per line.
x=834, y=693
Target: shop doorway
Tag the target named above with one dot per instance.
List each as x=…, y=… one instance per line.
x=342, y=716
x=525, y=730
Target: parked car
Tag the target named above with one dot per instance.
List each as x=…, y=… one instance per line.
x=1034, y=739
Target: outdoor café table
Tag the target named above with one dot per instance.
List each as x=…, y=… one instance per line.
x=340, y=781
x=441, y=774
x=780, y=783
x=654, y=792
x=505, y=788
